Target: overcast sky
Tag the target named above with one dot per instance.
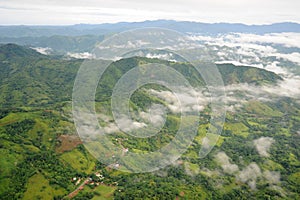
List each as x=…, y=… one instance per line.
x=61, y=12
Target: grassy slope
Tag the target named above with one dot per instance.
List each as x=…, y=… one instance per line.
x=38, y=187
x=50, y=76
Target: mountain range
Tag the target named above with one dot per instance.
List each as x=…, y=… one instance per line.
x=181, y=26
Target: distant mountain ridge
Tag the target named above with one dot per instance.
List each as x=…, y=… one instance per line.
x=181, y=26
x=30, y=78
x=58, y=43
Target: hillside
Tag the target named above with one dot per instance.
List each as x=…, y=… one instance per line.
x=232, y=74
x=256, y=157
x=31, y=79
x=13, y=51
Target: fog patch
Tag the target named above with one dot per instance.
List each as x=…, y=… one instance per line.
x=129, y=125
x=237, y=63
x=43, y=50
x=156, y=115
x=278, y=189
x=273, y=67
x=289, y=39
x=166, y=56
x=191, y=101
x=191, y=169
x=253, y=50
x=224, y=161
x=84, y=55
x=288, y=87
x=249, y=175
x=263, y=145
x=272, y=177
x=293, y=57
x=236, y=94
x=252, y=184
x=111, y=128
x=286, y=39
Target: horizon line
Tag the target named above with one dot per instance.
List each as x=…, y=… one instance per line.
x=171, y=20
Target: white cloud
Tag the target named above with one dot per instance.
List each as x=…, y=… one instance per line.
x=293, y=57
x=285, y=39
x=263, y=145
x=272, y=177
x=290, y=87
x=42, y=50
x=190, y=101
x=273, y=67
x=236, y=94
x=128, y=125
x=167, y=56
x=252, y=184
x=84, y=55
x=239, y=94
x=225, y=163
x=237, y=63
x=111, y=128
x=91, y=11
x=249, y=175
x=253, y=50
x=155, y=116
x=124, y=122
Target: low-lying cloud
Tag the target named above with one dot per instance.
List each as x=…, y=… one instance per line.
x=237, y=95
x=272, y=177
x=254, y=50
x=250, y=174
x=225, y=163
x=43, y=50
x=263, y=145
x=83, y=55
x=156, y=115
x=190, y=100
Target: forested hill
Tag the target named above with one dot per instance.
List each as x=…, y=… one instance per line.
x=13, y=51
x=29, y=78
x=42, y=157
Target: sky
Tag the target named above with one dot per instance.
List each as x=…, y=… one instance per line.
x=55, y=12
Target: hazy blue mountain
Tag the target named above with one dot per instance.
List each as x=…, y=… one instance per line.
x=59, y=43
x=83, y=37
x=182, y=26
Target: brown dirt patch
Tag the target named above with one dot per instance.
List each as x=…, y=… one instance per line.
x=67, y=143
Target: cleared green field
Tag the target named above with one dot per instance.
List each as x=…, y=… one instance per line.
x=197, y=193
x=237, y=128
x=79, y=161
x=38, y=188
x=103, y=192
x=262, y=109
